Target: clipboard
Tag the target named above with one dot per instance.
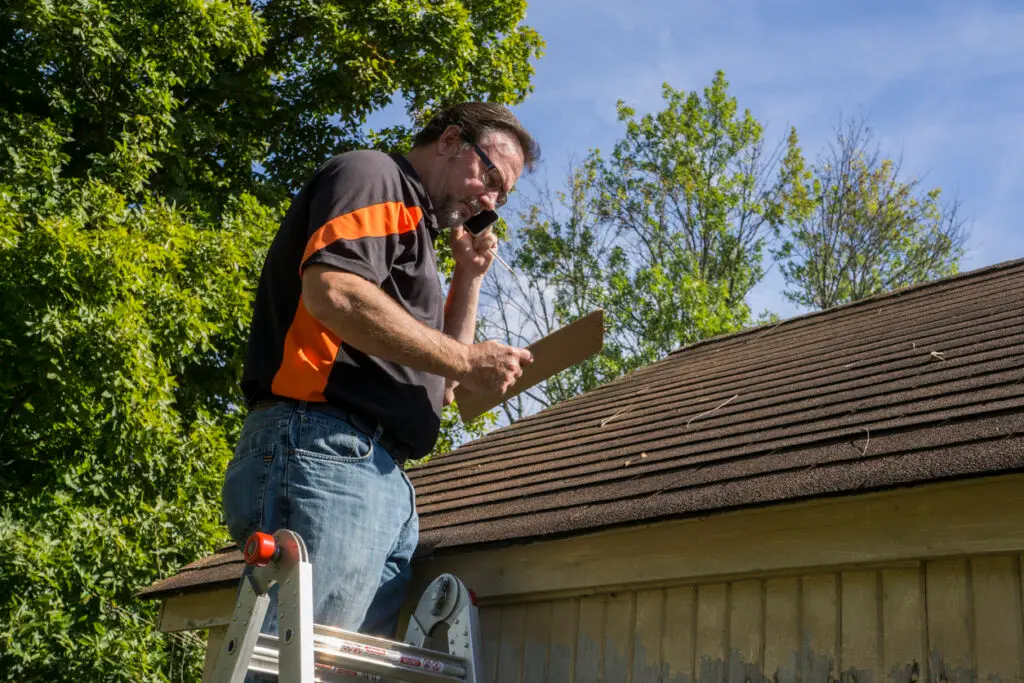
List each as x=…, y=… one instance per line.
x=561, y=349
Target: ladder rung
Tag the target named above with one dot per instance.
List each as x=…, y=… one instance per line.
x=355, y=652
x=449, y=663
x=339, y=667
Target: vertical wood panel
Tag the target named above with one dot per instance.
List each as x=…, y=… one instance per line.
x=782, y=630
x=513, y=636
x=860, y=629
x=948, y=633
x=618, y=637
x=562, y=652
x=538, y=641
x=647, y=635
x=712, y=633
x=591, y=636
x=746, y=631
x=945, y=621
x=903, y=625
x=678, y=645
x=490, y=637
x=819, y=616
x=997, y=618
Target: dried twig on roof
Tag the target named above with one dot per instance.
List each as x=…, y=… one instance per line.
x=864, y=450
x=713, y=410
x=615, y=415
x=624, y=410
x=770, y=329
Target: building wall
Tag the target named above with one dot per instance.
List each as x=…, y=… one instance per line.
x=919, y=584
x=957, y=620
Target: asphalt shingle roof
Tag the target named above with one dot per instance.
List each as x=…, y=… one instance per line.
x=914, y=386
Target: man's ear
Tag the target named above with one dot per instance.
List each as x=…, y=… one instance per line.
x=449, y=141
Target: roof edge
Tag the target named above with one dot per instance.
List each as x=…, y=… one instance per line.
x=151, y=593
x=977, y=272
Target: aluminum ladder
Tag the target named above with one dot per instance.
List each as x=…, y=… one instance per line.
x=310, y=653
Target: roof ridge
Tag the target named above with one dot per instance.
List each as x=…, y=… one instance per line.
x=966, y=275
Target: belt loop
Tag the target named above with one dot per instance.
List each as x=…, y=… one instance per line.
x=379, y=432
x=301, y=408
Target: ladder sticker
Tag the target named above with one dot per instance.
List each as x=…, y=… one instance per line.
x=428, y=664
x=348, y=672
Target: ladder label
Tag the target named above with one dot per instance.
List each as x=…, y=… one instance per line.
x=348, y=672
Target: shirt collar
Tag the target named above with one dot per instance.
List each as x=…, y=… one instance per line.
x=429, y=217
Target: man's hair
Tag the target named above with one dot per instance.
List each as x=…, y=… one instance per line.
x=477, y=119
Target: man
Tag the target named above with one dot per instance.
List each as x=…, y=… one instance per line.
x=353, y=351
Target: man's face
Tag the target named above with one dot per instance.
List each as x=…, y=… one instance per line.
x=470, y=186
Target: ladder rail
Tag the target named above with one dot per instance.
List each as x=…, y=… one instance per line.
x=295, y=612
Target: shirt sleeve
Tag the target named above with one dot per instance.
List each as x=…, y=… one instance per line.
x=357, y=215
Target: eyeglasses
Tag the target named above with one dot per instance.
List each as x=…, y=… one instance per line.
x=493, y=180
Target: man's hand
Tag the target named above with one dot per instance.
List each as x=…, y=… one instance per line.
x=494, y=367
x=472, y=253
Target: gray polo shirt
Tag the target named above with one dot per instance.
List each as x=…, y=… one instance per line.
x=366, y=213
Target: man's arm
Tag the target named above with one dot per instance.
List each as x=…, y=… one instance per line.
x=369, y=320
x=460, y=315
x=472, y=254
x=461, y=306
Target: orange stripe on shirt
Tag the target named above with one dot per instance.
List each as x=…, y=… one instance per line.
x=309, y=353
x=378, y=220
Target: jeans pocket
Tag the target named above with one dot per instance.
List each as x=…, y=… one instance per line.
x=333, y=439
x=244, y=491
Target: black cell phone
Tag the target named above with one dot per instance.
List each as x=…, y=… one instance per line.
x=480, y=222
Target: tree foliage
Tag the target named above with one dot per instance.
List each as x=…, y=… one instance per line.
x=122, y=330
x=147, y=150
x=667, y=235
x=187, y=97
x=865, y=229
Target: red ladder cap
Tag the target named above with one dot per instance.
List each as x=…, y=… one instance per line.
x=260, y=549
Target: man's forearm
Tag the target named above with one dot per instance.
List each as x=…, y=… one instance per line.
x=461, y=306
x=369, y=320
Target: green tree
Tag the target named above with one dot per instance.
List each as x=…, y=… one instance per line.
x=666, y=235
x=122, y=326
x=190, y=97
x=868, y=230
x=147, y=150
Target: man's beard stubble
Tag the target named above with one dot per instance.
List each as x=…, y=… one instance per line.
x=452, y=212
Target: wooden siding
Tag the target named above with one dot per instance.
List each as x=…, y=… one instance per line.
x=949, y=620
x=954, y=519
x=919, y=584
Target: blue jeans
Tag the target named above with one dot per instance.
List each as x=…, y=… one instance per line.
x=298, y=468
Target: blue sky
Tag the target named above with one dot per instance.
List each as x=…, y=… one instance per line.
x=942, y=84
